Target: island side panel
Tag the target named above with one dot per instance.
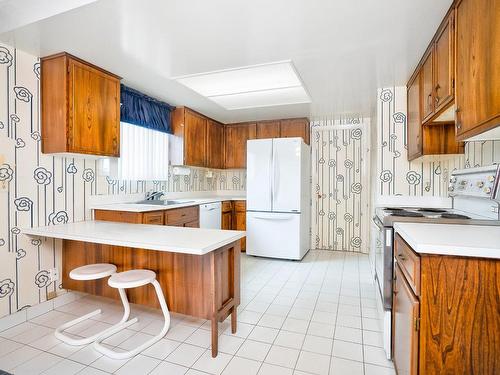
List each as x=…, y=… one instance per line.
x=185, y=279
x=460, y=320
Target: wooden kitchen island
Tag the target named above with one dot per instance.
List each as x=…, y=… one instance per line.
x=198, y=269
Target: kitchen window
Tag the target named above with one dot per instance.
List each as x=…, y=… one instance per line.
x=143, y=154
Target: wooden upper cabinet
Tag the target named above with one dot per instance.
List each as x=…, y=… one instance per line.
x=296, y=127
x=427, y=87
x=405, y=326
x=236, y=136
x=80, y=107
x=414, y=122
x=215, y=145
x=477, y=66
x=268, y=129
x=195, y=134
x=444, y=49
x=199, y=140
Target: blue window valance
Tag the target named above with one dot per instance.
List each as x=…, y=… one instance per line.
x=142, y=110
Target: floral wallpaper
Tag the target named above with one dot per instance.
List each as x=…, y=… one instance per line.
x=340, y=195
x=38, y=189
x=425, y=176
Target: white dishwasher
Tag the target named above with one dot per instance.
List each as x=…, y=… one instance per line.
x=210, y=215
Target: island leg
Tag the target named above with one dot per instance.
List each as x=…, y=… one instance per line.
x=215, y=310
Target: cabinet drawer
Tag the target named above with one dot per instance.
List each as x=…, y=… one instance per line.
x=119, y=216
x=409, y=262
x=183, y=215
x=240, y=206
x=155, y=217
x=227, y=206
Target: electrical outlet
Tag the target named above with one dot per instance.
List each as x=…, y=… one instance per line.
x=53, y=274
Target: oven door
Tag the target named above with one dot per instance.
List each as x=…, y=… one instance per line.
x=383, y=253
x=383, y=243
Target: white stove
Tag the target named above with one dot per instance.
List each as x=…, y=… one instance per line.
x=475, y=200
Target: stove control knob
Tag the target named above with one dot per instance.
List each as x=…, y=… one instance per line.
x=463, y=182
x=453, y=180
x=491, y=178
x=487, y=190
x=480, y=184
x=451, y=188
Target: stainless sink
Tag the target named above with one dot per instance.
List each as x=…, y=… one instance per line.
x=163, y=202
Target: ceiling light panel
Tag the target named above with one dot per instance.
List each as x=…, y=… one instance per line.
x=253, y=86
x=263, y=98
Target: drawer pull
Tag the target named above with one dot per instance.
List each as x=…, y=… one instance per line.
x=401, y=256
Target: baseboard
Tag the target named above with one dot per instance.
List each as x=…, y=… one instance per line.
x=9, y=321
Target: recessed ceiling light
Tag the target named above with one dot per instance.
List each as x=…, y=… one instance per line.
x=248, y=87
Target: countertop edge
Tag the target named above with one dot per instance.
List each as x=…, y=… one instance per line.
x=426, y=247
x=151, y=246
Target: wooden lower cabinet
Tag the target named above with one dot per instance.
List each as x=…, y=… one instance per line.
x=178, y=217
x=405, y=328
x=234, y=217
x=227, y=215
x=445, y=313
x=240, y=220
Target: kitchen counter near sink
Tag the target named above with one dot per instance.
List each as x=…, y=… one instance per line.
x=198, y=269
x=141, y=207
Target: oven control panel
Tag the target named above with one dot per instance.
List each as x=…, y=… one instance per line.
x=479, y=182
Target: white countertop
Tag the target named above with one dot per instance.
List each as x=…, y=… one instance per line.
x=135, y=207
x=194, y=241
x=452, y=239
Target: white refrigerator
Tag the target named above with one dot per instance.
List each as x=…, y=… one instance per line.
x=278, y=198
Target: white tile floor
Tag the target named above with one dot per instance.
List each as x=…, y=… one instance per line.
x=311, y=317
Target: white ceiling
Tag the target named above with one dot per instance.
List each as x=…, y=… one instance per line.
x=342, y=50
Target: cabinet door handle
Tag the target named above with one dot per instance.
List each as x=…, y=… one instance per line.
x=401, y=256
x=437, y=87
x=429, y=100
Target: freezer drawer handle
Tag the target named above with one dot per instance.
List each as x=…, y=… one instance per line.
x=273, y=218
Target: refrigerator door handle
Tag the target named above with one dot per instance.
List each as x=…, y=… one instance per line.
x=276, y=175
x=271, y=174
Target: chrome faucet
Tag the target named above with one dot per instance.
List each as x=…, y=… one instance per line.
x=154, y=195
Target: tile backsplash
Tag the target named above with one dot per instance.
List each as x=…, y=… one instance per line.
x=38, y=189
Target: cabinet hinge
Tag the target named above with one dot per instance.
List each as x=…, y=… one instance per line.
x=417, y=324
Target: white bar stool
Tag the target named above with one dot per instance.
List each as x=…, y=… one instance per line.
x=92, y=272
x=133, y=279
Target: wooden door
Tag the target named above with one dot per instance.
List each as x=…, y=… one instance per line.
x=477, y=94
x=236, y=143
x=94, y=111
x=215, y=145
x=268, y=129
x=443, y=65
x=195, y=134
x=405, y=315
x=427, y=88
x=227, y=220
x=298, y=127
x=414, y=121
